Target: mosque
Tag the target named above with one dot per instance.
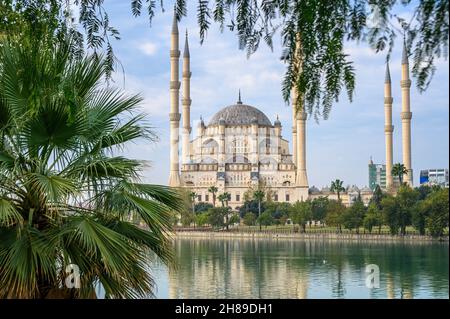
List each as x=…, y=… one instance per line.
x=240, y=148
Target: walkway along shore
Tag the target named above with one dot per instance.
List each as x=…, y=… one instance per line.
x=301, y=236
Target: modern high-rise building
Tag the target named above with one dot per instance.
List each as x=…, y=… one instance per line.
x=377, y=175
x=434, y=177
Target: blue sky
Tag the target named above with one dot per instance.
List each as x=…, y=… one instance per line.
x=339, y=147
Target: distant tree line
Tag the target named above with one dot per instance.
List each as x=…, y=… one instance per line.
x=424, y=208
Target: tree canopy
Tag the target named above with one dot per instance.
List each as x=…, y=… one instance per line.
x=315, y=31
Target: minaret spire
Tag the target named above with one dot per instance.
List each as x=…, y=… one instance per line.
x=186, y=101
x=239, y=98
x=174, y=22
x=387, y=77
x=174, y=115
x=404, y=52
x=186, y=53
x=301, y=181
x=406, y=115
x=388, y=128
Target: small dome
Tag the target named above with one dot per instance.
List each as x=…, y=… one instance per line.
x=277, y=122
x=240, y=114
x=314, y=190
x=366, y=189
x=353, y=189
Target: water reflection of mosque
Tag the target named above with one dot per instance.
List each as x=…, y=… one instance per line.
x=290, y=269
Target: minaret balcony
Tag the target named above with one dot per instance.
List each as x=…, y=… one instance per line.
x=405, y=83
x=388, y=100
x=406, y=115
x=174, y=53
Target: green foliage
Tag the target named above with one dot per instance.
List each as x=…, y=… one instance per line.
x=213, y=190
x=258, y=195
x=224, y=198
x=319, y=207
x=202, y=207
x=312, y=34
x=353, y=216
x=250, y=206
x=335, y=211
x=301, y=213
x=373, y=217
x=234, y=219
x=424, y=191
x=419, y=216
x=436, y=209
x=277, y=210
x=377, y=197
x=407, y=199
x=65, y=198
x=216, y=216
x=399, y=170
x=391, y=211
x=201, y=219
x=249, y=219
x=265, y=219
x=187, y=218
x=337, y=187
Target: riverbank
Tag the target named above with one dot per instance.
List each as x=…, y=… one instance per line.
x=303, y=236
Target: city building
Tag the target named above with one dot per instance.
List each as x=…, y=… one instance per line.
x=434, y=177
x=377, y=175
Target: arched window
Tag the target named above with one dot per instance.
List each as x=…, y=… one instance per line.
x=210, y=147
x=238, y=147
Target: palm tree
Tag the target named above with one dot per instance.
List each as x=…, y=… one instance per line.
x=213, y=190
x=193, y=196
x=65, y=198
x=399, y=170
x=224, y=198
x=227, y=197
x=336, y=187
x=258, y=195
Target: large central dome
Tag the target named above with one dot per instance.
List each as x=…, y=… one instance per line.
x=240, y=114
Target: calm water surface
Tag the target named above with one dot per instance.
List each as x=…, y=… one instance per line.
x=246, y=268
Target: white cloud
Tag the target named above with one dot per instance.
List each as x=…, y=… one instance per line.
x=148, y=48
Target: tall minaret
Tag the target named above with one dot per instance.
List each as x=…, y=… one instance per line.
x=174, y=115
x=186, y=101
x=302, y=178
x=406, y=116
x=294, y=125
x=388, y=127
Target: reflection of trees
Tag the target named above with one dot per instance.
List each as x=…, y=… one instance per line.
x=246, y=268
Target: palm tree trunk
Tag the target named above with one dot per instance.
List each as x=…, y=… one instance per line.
x=259, y=214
